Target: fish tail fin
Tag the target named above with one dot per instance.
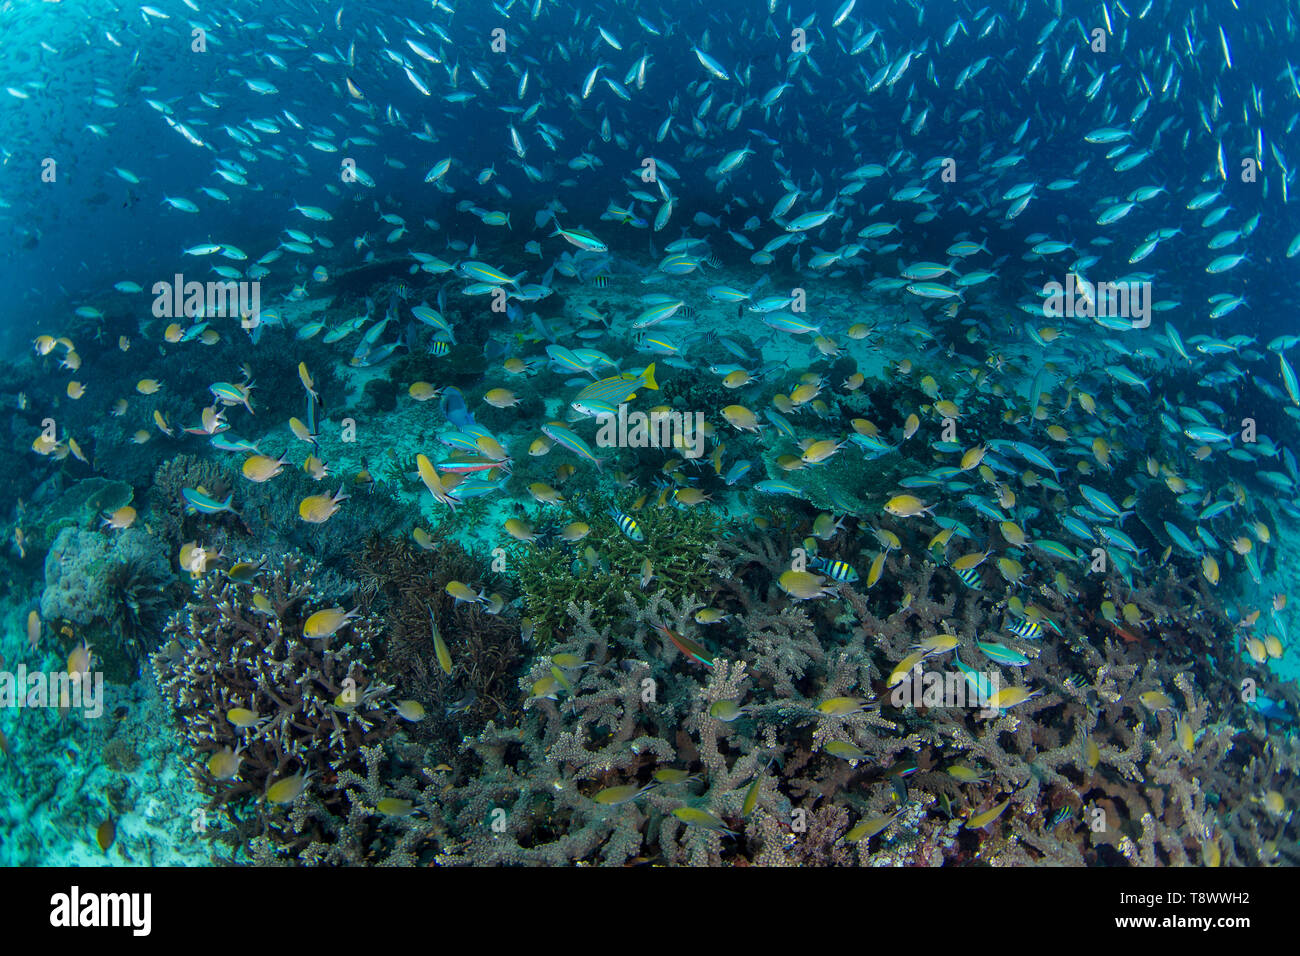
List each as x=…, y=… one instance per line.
x=648, y=376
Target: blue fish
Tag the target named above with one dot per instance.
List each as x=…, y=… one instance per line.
x=197, y=501
x=737, y=471
x=1272, y=709
x=454, y=407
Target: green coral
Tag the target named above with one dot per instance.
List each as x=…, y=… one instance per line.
x=677, y=543
x=83, y=501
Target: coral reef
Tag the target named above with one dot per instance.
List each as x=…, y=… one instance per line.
x=1088, y=771
x=309, y=704
x=167, y=507
x=113, y=590
x=605, y=565
x=407, y=587
x=269, y=511
x=82, y=503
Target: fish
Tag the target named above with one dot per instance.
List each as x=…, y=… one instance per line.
x=618, y=795
x=702, y=819
x=569, y=439
x=869, y=826
x=1002, y=654
x=198, y=501
x=106, y=834
x=440, y=649
x=980, y=821
x=803, y=585
x=580, y=238
x=286, y=790
x=614, y=391
x=326, y=623
x=317, y=509
x=689, y=647
x=627, y=525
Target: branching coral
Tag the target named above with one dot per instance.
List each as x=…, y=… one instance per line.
x=769, y=734
x=303, y=707
x=1091, y=769
x=676, y=545
x=407, y=586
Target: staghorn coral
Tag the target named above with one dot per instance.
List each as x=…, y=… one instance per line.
x=405, y=585
x=389, y=822
x=677, y=545
x=1086, y=773
x=242, y=646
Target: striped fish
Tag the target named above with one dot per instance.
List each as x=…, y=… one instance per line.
x=570, y=440
x=617, y=389
x=690, y=648
x=1056, y=549
x=839, y=570
x=231, y=394
x=1003, y=654
x=465, y=465
x=970, y=577
x=1103, y=502
x=627, y=524
x=1026, y=629
x=197, y=501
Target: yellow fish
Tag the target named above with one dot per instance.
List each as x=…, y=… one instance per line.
x=326, y=623
x=317, y=509
x=981, y=820
x=307, y=383
x=287, y=789
x=1155, y=700
x=906, y=506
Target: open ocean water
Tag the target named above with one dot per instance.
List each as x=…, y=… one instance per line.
x=563, y=432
